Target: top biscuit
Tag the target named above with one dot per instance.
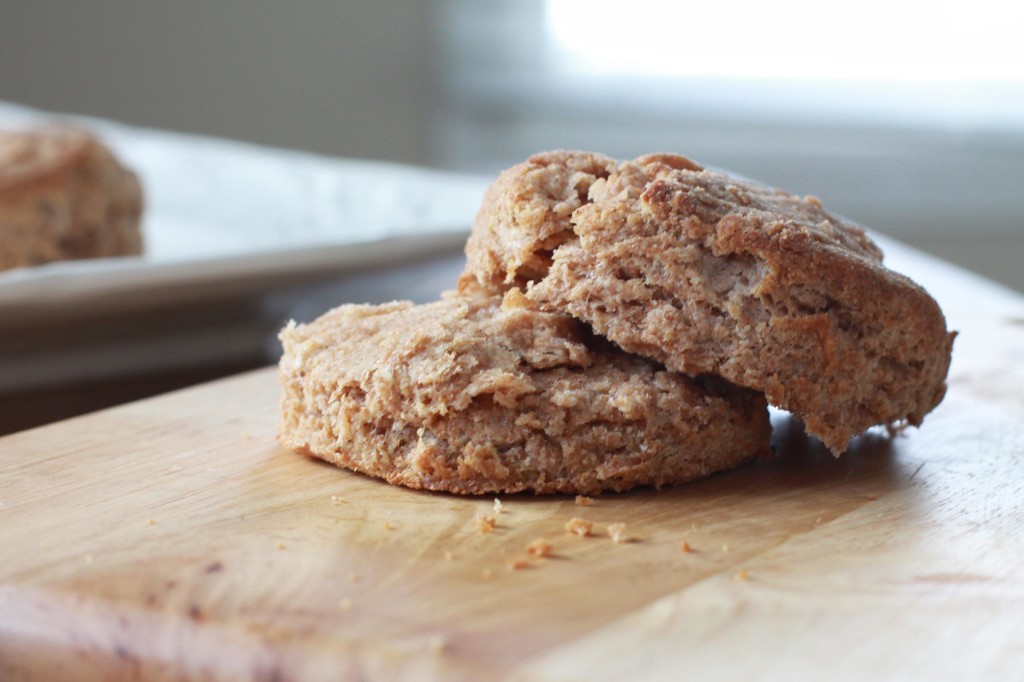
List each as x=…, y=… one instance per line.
x=707, y=273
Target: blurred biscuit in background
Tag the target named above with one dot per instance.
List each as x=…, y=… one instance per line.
x=64, y=196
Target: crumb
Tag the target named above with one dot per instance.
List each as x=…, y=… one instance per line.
x=617, y=532
x=280, y=545
x=437, y=644
x=353, y=578
x=151, y=522
x=539, y=548
x=584, y=501
x=695, y=525
x=335, y=499
x=872, y=497
x=486, y=523
x=579, y=526
x=346, y=604
x=817, y=520
x=725, y=549
x=685, y=547
x=498, y=506
x=743, y=575
x=448, y=556
x=518, y=565
x=388, y=526
x=897, y=428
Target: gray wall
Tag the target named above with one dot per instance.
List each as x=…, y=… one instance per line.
x=335, y=76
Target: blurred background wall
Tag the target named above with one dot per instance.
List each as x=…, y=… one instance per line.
x=906, y=117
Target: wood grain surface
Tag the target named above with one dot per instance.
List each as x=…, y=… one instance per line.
x=173, y=539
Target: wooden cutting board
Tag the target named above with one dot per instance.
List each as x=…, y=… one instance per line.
x=173, y=539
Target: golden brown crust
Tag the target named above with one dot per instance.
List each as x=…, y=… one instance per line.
x=474, y=394
x=710, y=274
x=64, y=196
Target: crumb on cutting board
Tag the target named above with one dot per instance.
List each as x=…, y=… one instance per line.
x=617, y=532
x=539, y=548
x=437, y=644
x=486, y=523
x=578, y=526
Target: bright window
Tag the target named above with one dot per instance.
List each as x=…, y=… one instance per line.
x=869, y=40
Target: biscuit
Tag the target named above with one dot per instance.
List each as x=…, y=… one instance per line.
x=64, y=196
x=474, y=394
x=707, y=273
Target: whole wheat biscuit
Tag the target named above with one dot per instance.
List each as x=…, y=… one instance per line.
x=710, y=274
x=473, y=394
x=64, y=196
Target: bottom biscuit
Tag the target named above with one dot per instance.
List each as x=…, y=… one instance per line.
x=476, y=394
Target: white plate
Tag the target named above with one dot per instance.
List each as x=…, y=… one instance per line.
x=230, y=229
x=223, y=218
